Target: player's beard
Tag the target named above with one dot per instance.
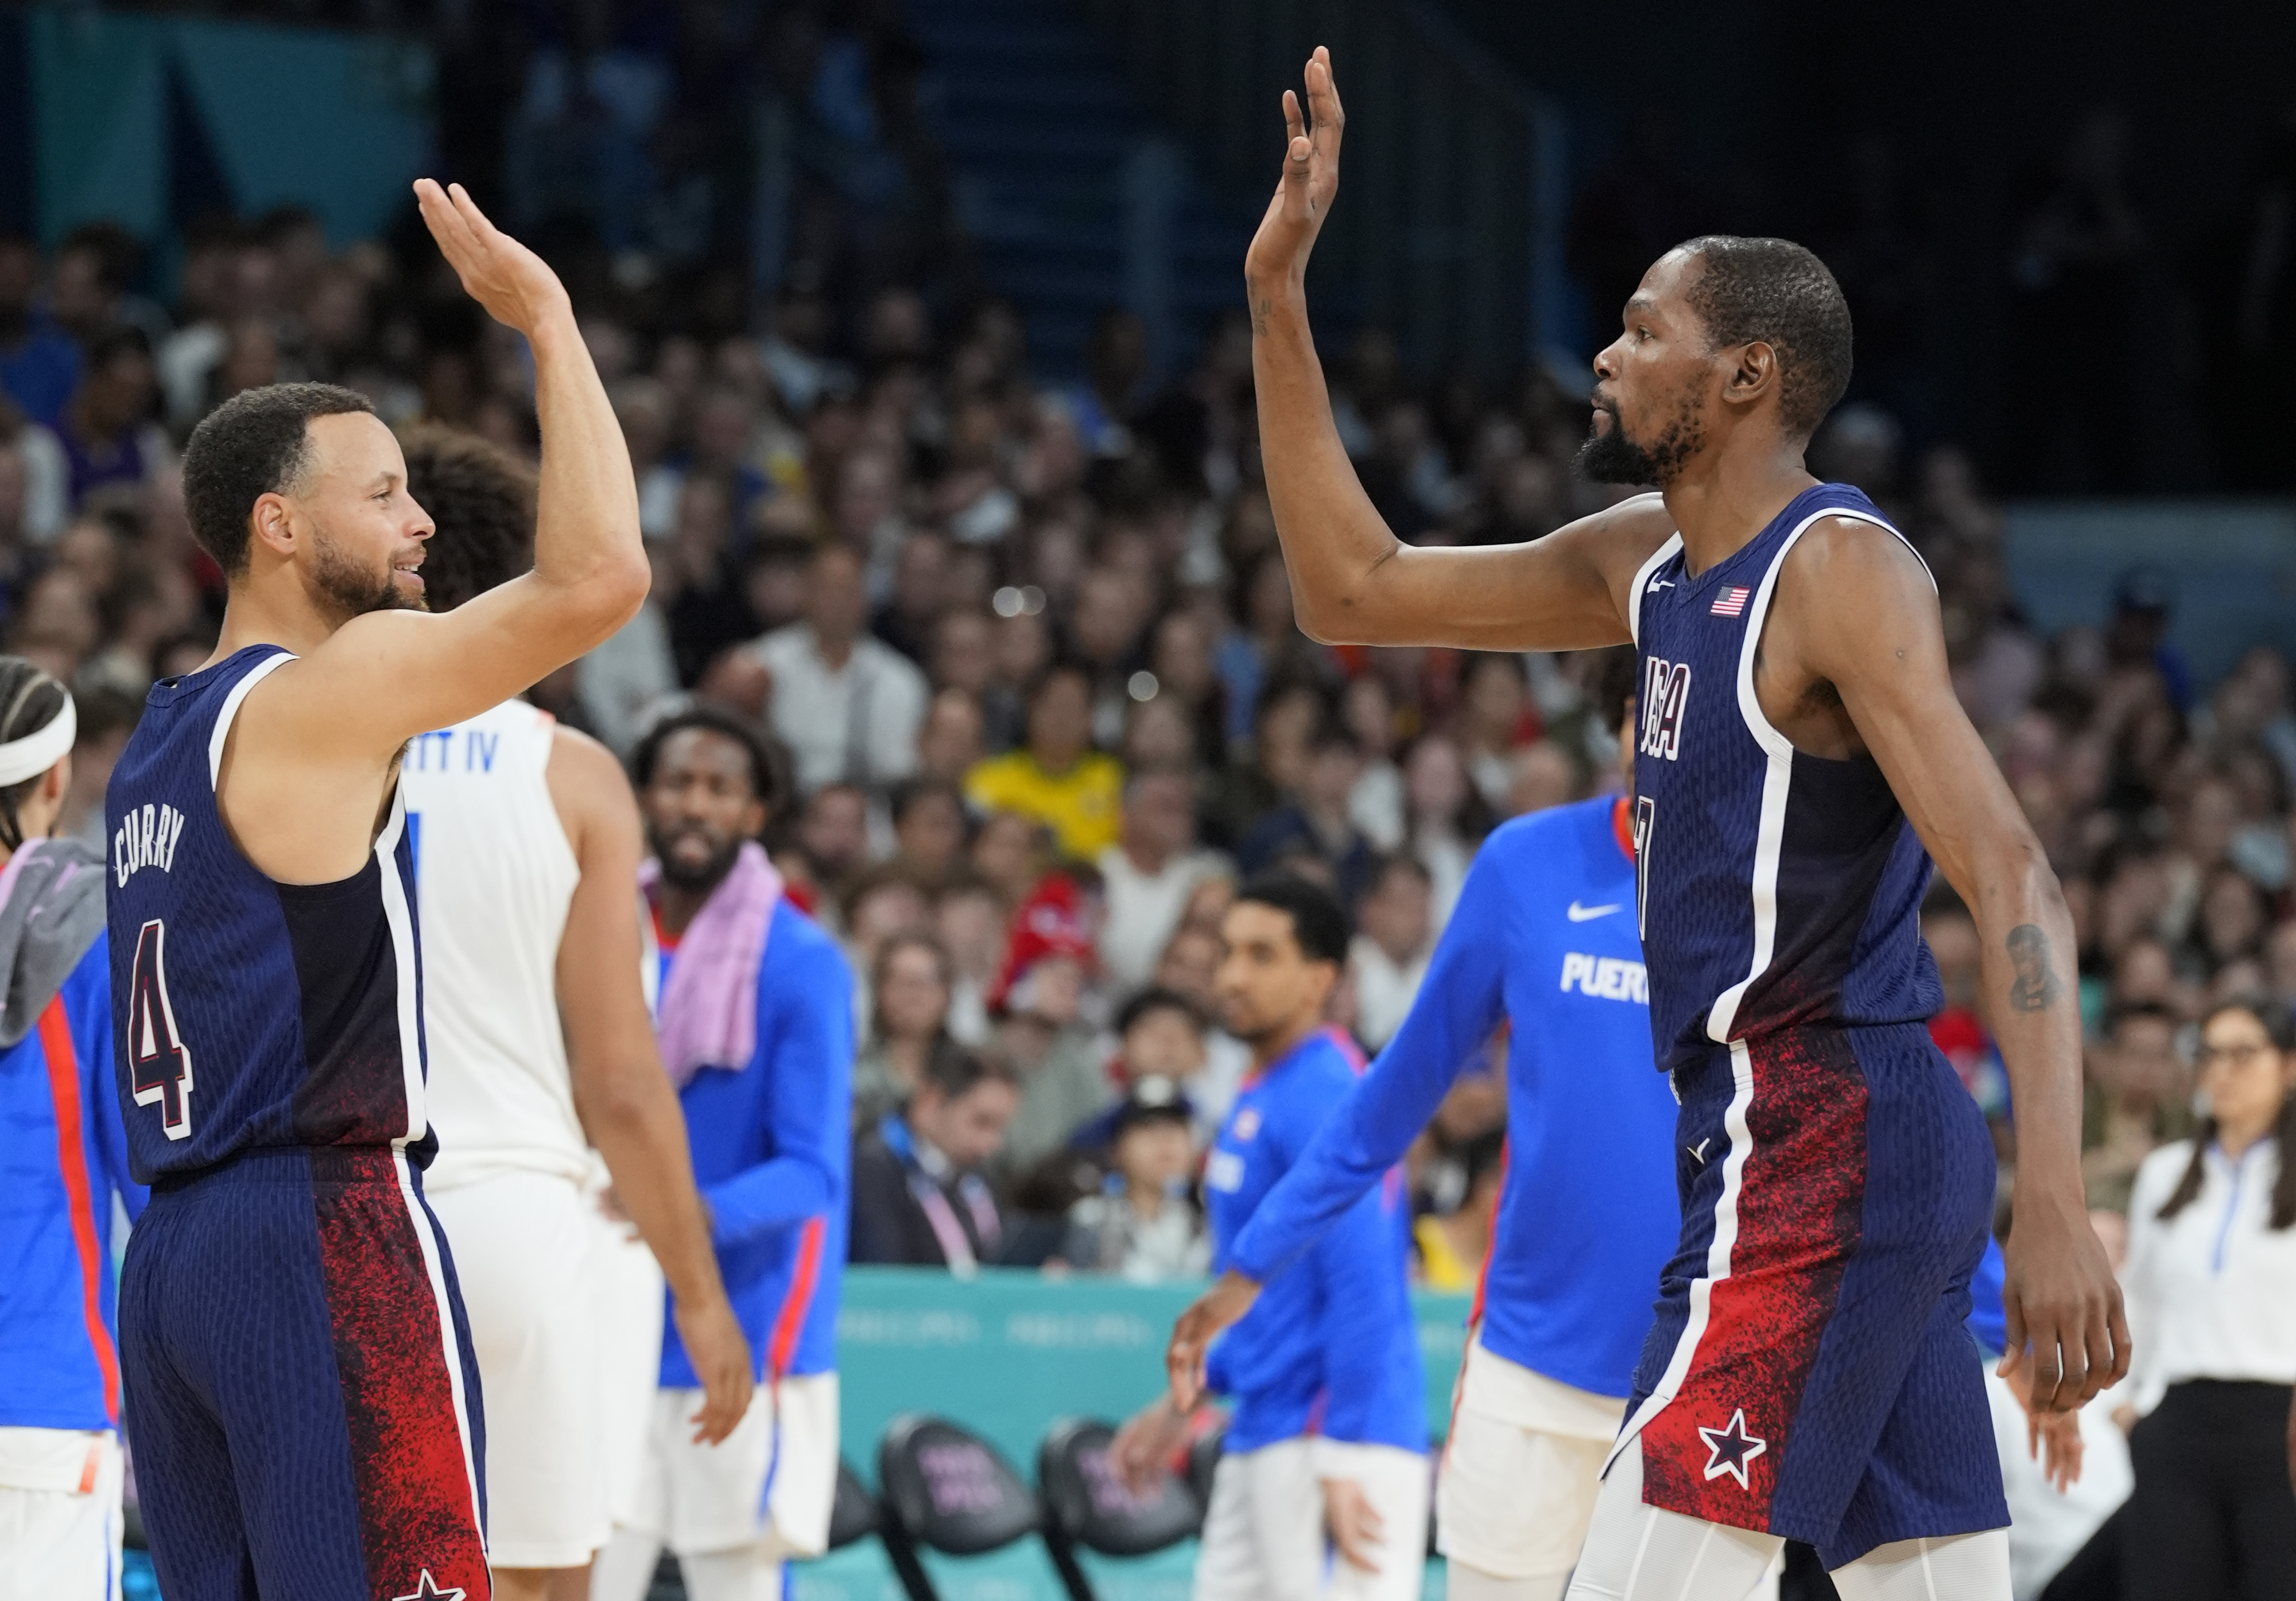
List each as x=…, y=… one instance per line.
x=1613, y=458
x=341, y=585
x=695, y=877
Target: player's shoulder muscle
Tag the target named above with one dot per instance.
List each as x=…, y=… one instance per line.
x=1854, y=590
x=590, y=791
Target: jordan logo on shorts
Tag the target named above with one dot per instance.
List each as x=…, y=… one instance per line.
x=1731, y=1448
x=427, y=1589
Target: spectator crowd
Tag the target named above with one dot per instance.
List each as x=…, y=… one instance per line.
x=1029, y=651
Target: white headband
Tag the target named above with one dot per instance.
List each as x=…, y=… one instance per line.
x=37, y=752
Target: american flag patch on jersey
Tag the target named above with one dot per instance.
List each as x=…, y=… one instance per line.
x=1732, y=601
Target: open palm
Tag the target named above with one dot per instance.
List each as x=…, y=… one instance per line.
x=1311, y=178
x=516, y=286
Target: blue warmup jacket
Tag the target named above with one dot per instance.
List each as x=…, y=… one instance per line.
x=773, y=1148
x=1330, y=1347
x=63, y=1156
x=1543, y=938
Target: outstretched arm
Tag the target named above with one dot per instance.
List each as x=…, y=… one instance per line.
x=1352, y=581
x=388, y=675
x=620, y=1092
x=1864, y=619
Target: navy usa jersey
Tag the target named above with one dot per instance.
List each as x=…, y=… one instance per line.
x=1775, y=889
x=249, y=1013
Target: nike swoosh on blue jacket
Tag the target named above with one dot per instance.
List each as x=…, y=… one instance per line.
x=1589, y=1214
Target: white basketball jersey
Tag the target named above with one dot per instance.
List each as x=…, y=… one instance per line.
x=494, y=876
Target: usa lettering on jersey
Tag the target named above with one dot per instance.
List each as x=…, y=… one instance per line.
x=147, y=837
x=1606, y=977
x=1665, y=690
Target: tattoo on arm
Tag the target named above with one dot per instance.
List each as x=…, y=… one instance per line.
x=1260, y=317
x=2035, y=987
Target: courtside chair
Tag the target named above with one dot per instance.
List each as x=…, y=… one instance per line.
x=1203, y=1462
x=1087, y=1507
x=854, y=1515
x=942, y=1488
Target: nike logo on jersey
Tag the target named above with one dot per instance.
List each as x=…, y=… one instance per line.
x=1657, y=584
x=146, y=839
x=1606, y=977
x=1586, y=914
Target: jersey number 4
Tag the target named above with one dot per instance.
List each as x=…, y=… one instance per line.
x=162, y=1061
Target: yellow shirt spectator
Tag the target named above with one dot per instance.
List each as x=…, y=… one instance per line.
x=1057, y=779
x=1082, y=804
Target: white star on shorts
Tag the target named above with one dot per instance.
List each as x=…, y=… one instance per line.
x=1732, y=1449
x=427, y=1589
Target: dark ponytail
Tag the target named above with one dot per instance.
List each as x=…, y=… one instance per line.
x=2279, y=1024
x=29, y=700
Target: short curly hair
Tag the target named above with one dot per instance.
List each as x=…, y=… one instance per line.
x=255, y=444
x=481, y=499
x=1778, y=292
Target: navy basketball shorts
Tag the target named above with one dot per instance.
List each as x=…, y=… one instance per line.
x=1810, y=1373
x=301, y=1398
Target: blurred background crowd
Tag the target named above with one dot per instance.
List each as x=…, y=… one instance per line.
x=1021, y=624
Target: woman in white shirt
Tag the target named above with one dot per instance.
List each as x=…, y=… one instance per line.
x=2211, y=1293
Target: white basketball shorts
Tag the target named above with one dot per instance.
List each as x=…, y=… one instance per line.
x=770, y=1484
x=1264, y=1537
x=526, y=1249
x=60, y=1519
x=629, y=1302
x=1521, y=1468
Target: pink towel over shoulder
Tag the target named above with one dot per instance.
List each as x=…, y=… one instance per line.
x=708, y=1016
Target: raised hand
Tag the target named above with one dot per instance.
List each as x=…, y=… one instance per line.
x=516, y=286
x=1311, y=178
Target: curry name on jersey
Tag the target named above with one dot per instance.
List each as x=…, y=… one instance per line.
x=249, y=1013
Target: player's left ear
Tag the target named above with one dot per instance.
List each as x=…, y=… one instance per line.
x=1753, y=373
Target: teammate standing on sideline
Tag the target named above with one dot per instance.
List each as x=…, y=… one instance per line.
x=1329, y=1427
x=1807, y=1376
x=527, y=842
x=755, y=1010
x=296, y=1357
x=1543, y=939
x=64, y=1159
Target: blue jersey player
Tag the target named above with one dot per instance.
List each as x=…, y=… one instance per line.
x=63, y=1159
x=298, y=1371
x=1800, y=758
x=754, y=1006
x=1543, y=939
x=1328, y=1430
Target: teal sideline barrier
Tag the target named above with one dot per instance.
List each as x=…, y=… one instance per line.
x=1006, y=1353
